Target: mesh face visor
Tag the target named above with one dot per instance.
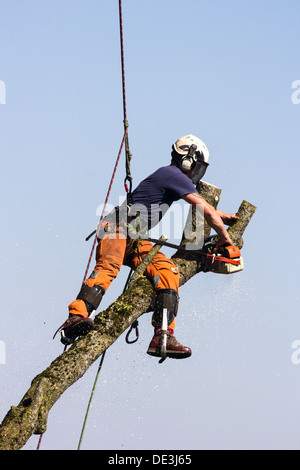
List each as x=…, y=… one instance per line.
x=199, y=169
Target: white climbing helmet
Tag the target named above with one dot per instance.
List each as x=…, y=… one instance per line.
x=192, y=155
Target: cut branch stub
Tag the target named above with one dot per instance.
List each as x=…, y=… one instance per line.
x=236, y=231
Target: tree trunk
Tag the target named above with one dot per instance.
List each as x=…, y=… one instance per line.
x=30, y=416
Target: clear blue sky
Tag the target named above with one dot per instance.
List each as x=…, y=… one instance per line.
x=223, y=71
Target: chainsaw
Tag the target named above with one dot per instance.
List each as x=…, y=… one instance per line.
x=225, y=259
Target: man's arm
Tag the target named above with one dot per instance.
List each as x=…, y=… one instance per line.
x=212, y=217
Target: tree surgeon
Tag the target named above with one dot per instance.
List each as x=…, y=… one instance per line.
x=120, y=242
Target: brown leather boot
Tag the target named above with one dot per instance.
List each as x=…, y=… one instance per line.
x=174, y=349
x=74, y=326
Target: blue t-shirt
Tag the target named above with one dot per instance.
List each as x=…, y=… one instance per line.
x=155, y=194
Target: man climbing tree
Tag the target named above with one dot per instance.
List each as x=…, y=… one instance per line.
x=121, y=241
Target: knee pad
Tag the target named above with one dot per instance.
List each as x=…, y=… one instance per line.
x=166, y=299
x=92, y=296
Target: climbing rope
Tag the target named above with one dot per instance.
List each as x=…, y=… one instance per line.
x=128, y=178
x=128, y=155
x=103, y=210
x=96, y=380
x=125, y=121
x=90, y=400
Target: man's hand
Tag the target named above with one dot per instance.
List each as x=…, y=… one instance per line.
x=228, y=219
x=223, y=240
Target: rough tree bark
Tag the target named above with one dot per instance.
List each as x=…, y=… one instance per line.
x=30, y=415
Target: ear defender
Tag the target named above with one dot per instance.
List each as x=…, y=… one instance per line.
x=187, y=162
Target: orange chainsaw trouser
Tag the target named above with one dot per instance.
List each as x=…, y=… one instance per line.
x=114, y=250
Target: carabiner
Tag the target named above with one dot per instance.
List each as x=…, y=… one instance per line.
x=134, y=325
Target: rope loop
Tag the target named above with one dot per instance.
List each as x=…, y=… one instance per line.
x=128, y=187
